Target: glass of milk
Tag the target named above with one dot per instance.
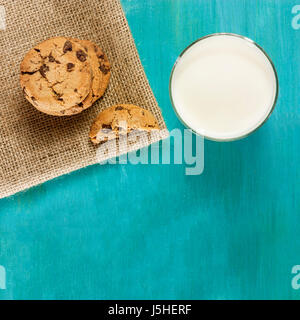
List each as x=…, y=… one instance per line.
x=224, y=87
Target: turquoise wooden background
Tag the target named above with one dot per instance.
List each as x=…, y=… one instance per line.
x=150, y=232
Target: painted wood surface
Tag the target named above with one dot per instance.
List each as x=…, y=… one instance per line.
x=151, y=232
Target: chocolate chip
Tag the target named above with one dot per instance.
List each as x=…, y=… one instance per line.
x=51, y=58
x=70, y=67
x=37, y=50
x=104, y=69
x=106, y=126
x=43, y=70
x=67, y=46
x=101, y=56
x=29, y=72
x=80, y=104
x=119, y=108
x=75, y=90
x=81, y=56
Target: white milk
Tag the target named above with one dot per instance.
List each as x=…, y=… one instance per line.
x=223, y=87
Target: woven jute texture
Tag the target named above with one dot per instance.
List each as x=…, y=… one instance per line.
x=35, y=147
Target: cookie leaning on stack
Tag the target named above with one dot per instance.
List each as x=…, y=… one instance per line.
x=63, y=76
x=119, y=120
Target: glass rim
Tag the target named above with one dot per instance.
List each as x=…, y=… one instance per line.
x=265, y=54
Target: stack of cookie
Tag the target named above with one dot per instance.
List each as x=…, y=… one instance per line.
x=63, y=76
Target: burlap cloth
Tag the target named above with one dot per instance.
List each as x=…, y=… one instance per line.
x=35, y=147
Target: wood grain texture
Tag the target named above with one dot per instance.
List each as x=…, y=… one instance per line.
x=150, y=232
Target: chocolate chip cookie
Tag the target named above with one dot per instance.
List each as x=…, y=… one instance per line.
x=121, y=120
x=56, y=76
x=100, y=71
